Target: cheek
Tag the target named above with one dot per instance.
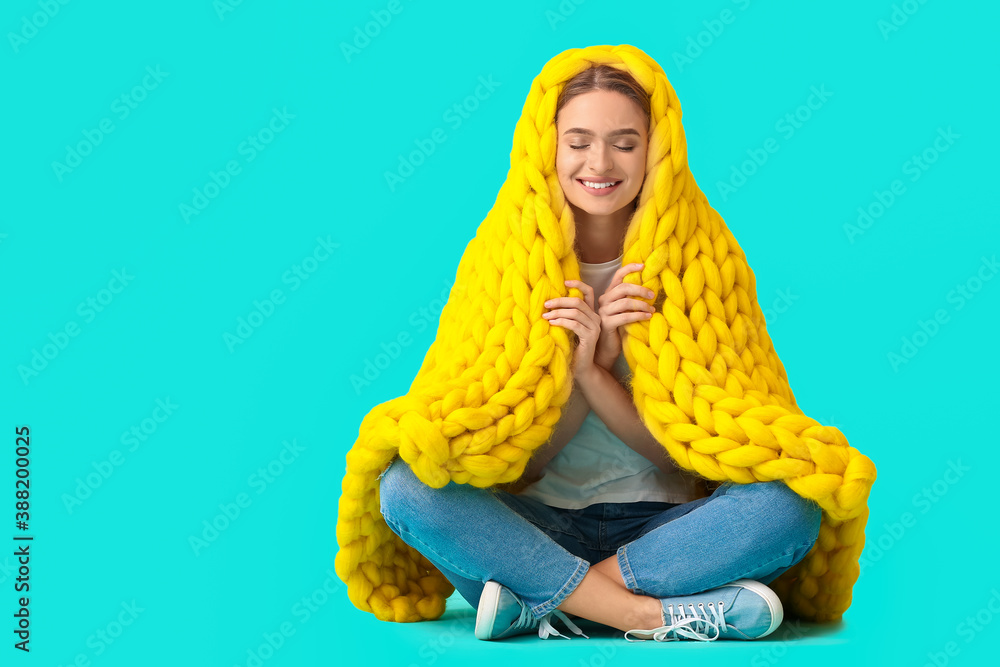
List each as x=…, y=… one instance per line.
x=566, y=182
x=563, y=166
x=639, y=168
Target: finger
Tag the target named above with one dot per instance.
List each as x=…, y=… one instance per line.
x=562, y=312
x=621, y=289
x=573, y=303
x=626, y=318
x=622, y=305
x=620, y=274
x=564, y=301
x=580, y=285
x=592, y=321
x=618, y=279
x=575, y=325
x=588, y=291
x=589, y=318
x=627, y=269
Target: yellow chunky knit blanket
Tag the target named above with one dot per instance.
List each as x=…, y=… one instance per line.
x=706, y=380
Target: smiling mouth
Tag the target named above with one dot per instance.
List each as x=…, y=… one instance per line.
x=598, y=188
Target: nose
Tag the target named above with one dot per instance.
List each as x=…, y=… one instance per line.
x=600, y=158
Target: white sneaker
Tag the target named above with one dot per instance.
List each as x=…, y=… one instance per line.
x=744, y=609
x=502, y=614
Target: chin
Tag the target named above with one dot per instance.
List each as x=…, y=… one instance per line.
x=605, y=208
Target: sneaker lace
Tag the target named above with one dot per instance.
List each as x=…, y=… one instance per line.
x=697, y=625
x=545, y=627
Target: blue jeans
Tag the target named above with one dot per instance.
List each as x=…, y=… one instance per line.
x=541, y=553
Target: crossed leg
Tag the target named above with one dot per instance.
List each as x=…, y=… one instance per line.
x=752, y=531
x=749, y=531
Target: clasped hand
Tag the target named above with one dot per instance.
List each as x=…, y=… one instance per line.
x=597, y=330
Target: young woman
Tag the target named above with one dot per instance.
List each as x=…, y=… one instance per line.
x=602, y=525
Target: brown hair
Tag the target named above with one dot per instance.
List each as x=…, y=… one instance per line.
x=605, y=77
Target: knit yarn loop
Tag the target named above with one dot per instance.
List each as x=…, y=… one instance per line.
x=706, y=380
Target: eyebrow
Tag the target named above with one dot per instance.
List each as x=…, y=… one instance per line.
x=613, y=133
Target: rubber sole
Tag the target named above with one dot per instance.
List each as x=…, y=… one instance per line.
x=486, y=613
x=773, y=603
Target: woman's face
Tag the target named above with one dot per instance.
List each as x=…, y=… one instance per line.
x=601, y=139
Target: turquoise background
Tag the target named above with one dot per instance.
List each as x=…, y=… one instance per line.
x=224, y=69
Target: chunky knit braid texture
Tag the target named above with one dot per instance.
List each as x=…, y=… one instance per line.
x=706, y=380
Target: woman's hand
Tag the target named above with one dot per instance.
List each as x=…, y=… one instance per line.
x=617, y=309
x=579, y=316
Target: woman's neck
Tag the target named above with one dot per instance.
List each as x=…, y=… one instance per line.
x=599, y=238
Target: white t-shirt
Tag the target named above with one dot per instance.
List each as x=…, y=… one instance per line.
x=595, y=466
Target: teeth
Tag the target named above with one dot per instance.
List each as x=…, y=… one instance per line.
x=599, y=185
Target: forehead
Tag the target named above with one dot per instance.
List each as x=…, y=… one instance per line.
x=601, y=111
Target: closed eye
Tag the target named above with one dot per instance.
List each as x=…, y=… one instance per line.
x=624, y=149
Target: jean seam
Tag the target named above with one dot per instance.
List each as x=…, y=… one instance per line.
x=596, y=548
x=428, y=549
x=582, y=567
x=579, y=536
x=545, y=526
x=626, y=571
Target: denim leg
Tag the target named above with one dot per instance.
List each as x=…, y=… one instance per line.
x=742, y=531
x=470, y=533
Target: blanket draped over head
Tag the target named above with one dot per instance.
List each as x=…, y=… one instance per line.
x=706, y=380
